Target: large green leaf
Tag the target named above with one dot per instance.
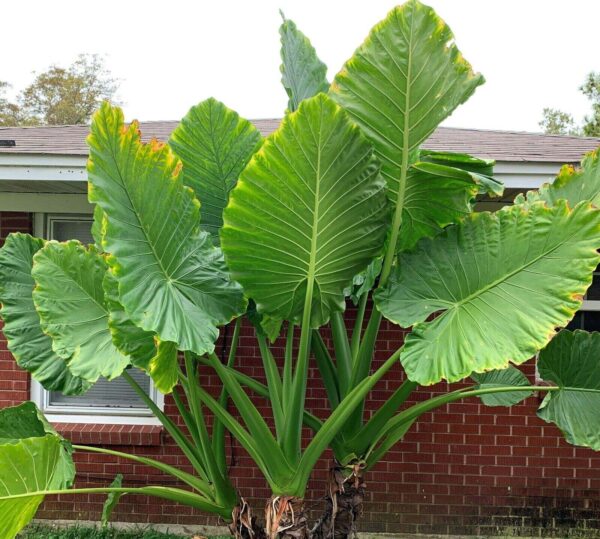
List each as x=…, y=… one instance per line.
x=308, y=214
x=29, y=345
x=27, y=421
x=406, y=78
x=172, y=280
x=572, y=184
x=501, y=282
x=264, y=324
x=436, y=196
x=482, y=170
x=572, y=362
x=25, y=466
x=303, y=75
x=214, y=145
x=97, y=227
x=164, y=367
x=463, y=161
x=69, y=298
x=33, y=458
x=157, y=358
x=130, y=339
x=510, y=376
x=364, y=281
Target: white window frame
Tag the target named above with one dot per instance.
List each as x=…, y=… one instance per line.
x=590, y=305
x=42, y=223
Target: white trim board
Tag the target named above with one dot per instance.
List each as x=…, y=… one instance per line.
x=43, y=167
x=41, y=160
x=23, y=167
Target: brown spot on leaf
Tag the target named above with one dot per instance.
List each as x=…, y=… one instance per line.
x=177, y=169
x=156, y=145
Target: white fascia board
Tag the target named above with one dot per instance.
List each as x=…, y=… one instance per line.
x=514, y=174
x=521, y=182
x=36, y=159
x=522, y=167
x=43, y=167
x=521, y=175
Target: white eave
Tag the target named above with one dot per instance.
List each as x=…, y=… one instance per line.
x=43, y=183
x=51, y=168
x=58, y=183
x=526, y=174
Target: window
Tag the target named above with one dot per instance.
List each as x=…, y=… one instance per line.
x=105, y=402
x=588, y=317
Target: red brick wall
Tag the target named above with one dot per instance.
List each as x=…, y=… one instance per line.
x=464, y=469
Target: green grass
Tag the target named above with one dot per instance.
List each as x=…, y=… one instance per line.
x=41, y=531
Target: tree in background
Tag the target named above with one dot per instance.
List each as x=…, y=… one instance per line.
x=11, y=113
x=60, y=95
x=558, y=122
x=591, y=89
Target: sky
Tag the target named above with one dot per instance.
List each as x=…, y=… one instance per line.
x=171, y=54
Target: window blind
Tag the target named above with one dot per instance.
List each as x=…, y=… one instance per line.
x=104, y=394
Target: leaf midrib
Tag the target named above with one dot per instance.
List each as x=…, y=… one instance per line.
x=397, y=220
x=137, y=144
x=315, y=233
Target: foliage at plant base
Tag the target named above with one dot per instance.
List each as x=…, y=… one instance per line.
x=41, y=531
x=339, y=204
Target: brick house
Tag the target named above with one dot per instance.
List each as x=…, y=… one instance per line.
x=465, y=469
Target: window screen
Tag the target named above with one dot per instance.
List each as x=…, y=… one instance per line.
x=588, y=320
x=116, y=394
x=70, y=229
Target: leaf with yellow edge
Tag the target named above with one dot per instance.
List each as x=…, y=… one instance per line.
x=400, y=84
x=308, y=213
x=29, y=345
x=164, y=368
x=572, y=184
x=501, y=283
x=172, y=280
x=69, y=298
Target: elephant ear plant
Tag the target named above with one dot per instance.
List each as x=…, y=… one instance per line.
x=220, y=228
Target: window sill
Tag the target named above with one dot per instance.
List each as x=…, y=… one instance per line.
x=106, y=434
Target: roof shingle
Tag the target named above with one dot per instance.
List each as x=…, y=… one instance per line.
x=498, y=145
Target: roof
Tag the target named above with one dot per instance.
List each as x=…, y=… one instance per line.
x=490, y=144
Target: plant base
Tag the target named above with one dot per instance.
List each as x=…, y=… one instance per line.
x=285, y=518
x=243, y=524
x=344, y=504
